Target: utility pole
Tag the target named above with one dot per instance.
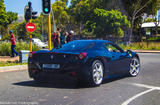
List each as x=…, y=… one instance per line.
x=49, y=32
x=30, y=20
x=30, y=39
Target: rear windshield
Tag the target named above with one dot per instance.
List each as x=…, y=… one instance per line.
x=77, y=45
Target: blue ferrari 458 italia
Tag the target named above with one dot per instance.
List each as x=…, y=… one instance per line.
x=90, y=61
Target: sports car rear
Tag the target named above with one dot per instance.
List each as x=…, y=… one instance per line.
x=55, y=62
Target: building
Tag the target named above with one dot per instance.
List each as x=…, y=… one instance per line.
x=157, y=17
x=149, y=28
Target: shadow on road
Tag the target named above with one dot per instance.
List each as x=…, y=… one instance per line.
x=57, y=82
x=63, y=83
x=53, y=84
x=112, y=79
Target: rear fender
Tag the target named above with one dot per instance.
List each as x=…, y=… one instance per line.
x=103, y=60
x=136, y=55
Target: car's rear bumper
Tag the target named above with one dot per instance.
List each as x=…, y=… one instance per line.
x=80, y=69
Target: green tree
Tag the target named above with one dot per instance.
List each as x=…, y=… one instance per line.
x=3, y=15
x=108, y=22
x=149, y=20
x=60, y=14
x=6, y=18
x=83, y=10
x=136, y=8
x=12, y=16
x=81, y=13
x=2, y=30
x=20, y=30
x=3, y=18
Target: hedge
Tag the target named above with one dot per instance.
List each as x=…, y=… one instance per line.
x=5, y=48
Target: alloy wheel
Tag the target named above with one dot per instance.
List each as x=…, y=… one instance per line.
x=134, y=67
x=97, y=72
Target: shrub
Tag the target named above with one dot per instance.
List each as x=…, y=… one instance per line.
x=143, y=46
x=5, y=48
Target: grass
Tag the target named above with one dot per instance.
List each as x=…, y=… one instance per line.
x=153, y=38
x=142, y=46
x=3, y=64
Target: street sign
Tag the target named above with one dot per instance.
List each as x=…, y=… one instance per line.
x=30, y=27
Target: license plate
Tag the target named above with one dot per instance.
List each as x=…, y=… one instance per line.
x=51, y=66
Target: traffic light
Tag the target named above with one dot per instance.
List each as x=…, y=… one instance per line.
x=34, y=15
x=46, y=6
x=28, y=11
x=29, y=14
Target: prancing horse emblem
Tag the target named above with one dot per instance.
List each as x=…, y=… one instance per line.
x=51, y=56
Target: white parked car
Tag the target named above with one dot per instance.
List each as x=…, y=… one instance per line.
x=39, y=43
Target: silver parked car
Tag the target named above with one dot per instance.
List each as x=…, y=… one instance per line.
x=39, y=43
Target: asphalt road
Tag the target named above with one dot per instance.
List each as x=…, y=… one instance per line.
x=16, y=88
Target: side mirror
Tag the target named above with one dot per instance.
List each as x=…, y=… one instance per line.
x=129, y=52
x=110, y=50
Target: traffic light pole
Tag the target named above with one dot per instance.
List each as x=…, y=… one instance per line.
x=30, y=39
x=49, y=32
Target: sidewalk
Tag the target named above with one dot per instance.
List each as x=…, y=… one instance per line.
x=147, y=51
x=8, y=58
x=25, y=67
x=13, y=68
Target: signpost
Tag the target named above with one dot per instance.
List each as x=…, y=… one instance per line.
x=29, y=14
x=30, y=28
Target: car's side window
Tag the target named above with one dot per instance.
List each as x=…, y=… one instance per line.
x=111, y=48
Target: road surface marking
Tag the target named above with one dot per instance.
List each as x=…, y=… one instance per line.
x=135, y=96
x=151, y=88
x=145, y=86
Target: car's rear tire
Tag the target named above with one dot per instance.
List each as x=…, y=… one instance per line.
x=97, y=73
x=134, y=67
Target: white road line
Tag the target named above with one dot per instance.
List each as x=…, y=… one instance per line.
x=135, y=96
x=145, y=86
x=151, y=88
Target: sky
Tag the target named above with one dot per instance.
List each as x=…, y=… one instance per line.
x=18, y=5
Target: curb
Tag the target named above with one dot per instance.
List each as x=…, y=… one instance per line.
x=147, y=51
x=13, y=68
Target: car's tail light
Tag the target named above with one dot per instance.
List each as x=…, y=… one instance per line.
x=73, y=73
x=33, y=71
x=82, y=55
x=31, y=54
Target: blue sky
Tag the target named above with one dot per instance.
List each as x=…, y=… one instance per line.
x=18, y=5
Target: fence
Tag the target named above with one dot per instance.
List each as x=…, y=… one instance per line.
x=126, y=39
